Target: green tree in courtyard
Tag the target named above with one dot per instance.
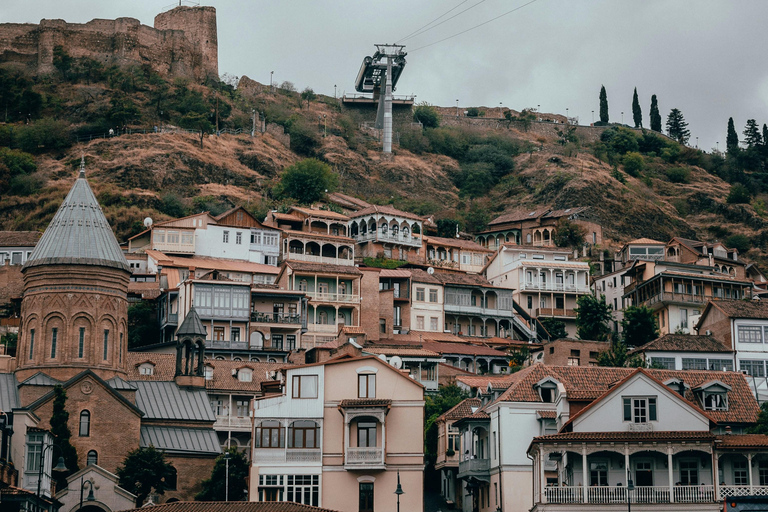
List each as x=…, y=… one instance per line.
x=637, y=113
x=592, y=317
x=655, y=115
x=568, y=234
x=214, y=488
x=639, y=326
x=144, y=471
x=60, y=431
x=555, y=327
x=603, y=105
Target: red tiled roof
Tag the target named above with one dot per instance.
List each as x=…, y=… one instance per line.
x=757, y=309
x=482, y=381
x=463, y=349
x=400, y=351
x=461, y=278
x=677, y=435
x=365, y=402
x=384, y=210
x=303, y=266
x=204, y=262
x=684, y=343
x=457, y=242
x=550, y=415
x=146, y=290
x=741, y=441
x=462, y=409
x=328, y=214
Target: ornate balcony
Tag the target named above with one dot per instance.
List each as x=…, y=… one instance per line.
x=477, y=468
x=364, y=458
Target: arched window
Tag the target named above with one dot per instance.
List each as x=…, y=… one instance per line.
x=93, y=458
x=269, y=434
x=85, y=424
x=303, y=285
x=303, y=434
x=323, y=318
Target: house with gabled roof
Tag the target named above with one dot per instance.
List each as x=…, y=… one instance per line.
x=608, y=414
x=688, y=352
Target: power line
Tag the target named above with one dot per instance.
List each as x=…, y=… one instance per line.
x=431, y=22
x=473, y=28
x=418, y=33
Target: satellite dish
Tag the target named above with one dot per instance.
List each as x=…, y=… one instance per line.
x=430, y=271
x=396, y=362
x=383, y=357
x=148, y=222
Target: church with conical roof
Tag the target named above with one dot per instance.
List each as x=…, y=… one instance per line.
x=75, y=305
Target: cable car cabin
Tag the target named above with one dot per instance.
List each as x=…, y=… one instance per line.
x=373, y=69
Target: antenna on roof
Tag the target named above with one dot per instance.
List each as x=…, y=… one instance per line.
x=82, y=165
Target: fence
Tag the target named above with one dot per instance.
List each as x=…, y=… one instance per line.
x=160, y=129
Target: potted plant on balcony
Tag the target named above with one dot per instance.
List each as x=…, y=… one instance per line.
x=450, y=452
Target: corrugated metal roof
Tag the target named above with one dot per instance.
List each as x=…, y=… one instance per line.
x=79, y=233
x=118, y=383
x=180, y=439
x=167, y=401
x=9, y=392
x=40, y=379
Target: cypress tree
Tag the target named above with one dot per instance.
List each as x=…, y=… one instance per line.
x=655, y=115
x=752, y=135
x=765, y=134
x=677, y=128
x=637, y=114
x=61, y=433
x=603, y=105
x=731, y=138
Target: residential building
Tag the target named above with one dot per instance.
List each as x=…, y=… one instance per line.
x=537, y=227
x=334, y=297
x=651, y=444
x=384, y=231
x=580, y=412
x=175, y=236
x=17, y=246
x=688, y=352
x=474, y=307
x=449, y=451
x=742, y=326
x=324, y=442
x=427, y=312
x=645, y=249
x=570, y=352
x=716, y=255
x=678, y=292
x=545, y=282
x=611, y=286
x=456, y=254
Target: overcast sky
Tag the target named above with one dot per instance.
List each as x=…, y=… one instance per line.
x=704, y=57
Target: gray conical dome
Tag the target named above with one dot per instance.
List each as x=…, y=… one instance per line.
x=79, y=234
x=192, y=325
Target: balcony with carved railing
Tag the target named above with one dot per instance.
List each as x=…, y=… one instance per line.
x=334, y=297
x=275, y=318
x=607, y=495
x=398, y=238
x=477, y=468
x=478, y=310
x=364, y=458
x=556, y=312
x=312, y=258
x=287, y=455
x=234, y=423
x=530, y=286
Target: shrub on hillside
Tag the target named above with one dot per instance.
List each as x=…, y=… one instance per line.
x=427, y=115
x=449, y=142
x=414, y=141
x=678, y=175
x=304, y=138
x=634, y=163
x=26, y=185
x=739, y=242
x=307, y=181
x=474, y=179
x=17, y=162
x=43, y=135
x=739, y=194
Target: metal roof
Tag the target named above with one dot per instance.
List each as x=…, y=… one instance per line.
x=180, y=439
x=118, y=383
x=79, y=233
x=192, y=326
x=9, y=392
x=40, y=379
x=167, y=401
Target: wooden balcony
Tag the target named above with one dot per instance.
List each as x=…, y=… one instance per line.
x=334, y=297
x=555, y=312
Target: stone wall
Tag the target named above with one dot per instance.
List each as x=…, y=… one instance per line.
x=183, y=42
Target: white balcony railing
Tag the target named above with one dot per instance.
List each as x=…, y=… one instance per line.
x=234, y=422
x=742, y=490
x=282, y=455
x=311, y=258
x=364, y=456
x=333, y=297
x=555, y=287
x=381, y=237
x=641, y=494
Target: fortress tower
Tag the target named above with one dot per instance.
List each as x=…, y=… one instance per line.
x=199, y=26
x=74, y=310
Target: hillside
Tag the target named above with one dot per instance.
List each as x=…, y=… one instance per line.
x=468, y=170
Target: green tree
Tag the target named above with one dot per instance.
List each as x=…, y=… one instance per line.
x=308, y=95
x=145, y=470
x=592, y=317
x=637, y=113
x=435, y=405
x=739, y=194
x=634, y=163
x=677, y=128
x=214, y=487
x=731, y=138
x=655, y=115
x=761, y=426
x=740, y=242
x=198, y=122
x=617, y=356
x=307, y=181
x=447, y=228
x=603, y=105
x=555, y=327
x=143, y=327
x=60, y=431
x=9, y=340
x=639, y=326
x=427, y=115
x=568, y=234
x=752, y=135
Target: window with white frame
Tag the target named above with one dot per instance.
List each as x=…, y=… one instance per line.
x=694, y=363
x=753, y=367
x=303, y=489
x=750, y=334
x=304, y=386
x=740, y=472
x=366, y=385
x=720, y=365
x=715, y=401
x=639, y=409
x=420, y=294
x=667, y=363
x=146, y=369
x=225, y=237
x=238, y=238
x=34, y=451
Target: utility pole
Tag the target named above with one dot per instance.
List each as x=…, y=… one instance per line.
x=253, y=128
x=217, y=115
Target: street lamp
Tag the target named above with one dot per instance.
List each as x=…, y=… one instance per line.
x=622, y=118
x=630, y=487
x=90, y=497
x=334, y=91
x=226, y=475
x=270, y=79
x=398, y=491
x=593, y=117
x=325, y=126
x=566, y=115
x=500, y=115
x=457, y=108
x=61, y=466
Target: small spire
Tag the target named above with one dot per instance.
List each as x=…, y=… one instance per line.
x=82, y=166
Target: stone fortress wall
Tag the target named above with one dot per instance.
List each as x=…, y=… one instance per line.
x=183, y=42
